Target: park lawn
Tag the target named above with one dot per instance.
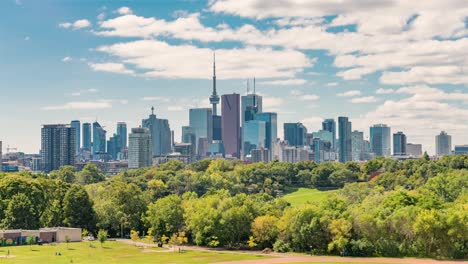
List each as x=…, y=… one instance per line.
x=339, y=262
x=297, y=197
x=112, y=252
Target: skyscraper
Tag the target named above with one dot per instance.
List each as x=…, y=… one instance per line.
x=414, y=150
x=380, y=140
x=251, y=104
x=201, y=124
x=295, y=134
x=357, y=145
x=253, y=136
x=344, y=141
x=271, y=125
x=399, y=144
x=217, y=130
x=122, y=134
x=57, y=146
x=160, y=134
x=140, y=148
x=443, y=144
x=113, y=146
x=230, y=123
x=330, y=125
x=76, y=124
x=87, y=136
x=99, y=139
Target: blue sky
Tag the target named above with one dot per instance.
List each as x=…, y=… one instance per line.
x=396, y=62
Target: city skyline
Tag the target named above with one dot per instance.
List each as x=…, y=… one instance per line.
x=74, y=65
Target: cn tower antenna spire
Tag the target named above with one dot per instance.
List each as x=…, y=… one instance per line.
x=214, y=98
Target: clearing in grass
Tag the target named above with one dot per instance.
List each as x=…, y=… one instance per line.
x=297, y=197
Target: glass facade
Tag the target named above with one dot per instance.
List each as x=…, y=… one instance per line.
x=254, y=135
x=271, y=124
x=295, y=134
x=161, y=136
x=344, y=141
x=399, y=144
x=87, y=136
x=330, y=125
x=443, y=144
x=76, y=125
x=380, y=140
x=248, y=103
x=230, y=124
x=99, y=138
x=201, y=124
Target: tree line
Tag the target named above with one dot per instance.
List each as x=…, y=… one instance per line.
x=383, y=207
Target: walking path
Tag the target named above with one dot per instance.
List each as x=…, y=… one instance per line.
x=278, y=258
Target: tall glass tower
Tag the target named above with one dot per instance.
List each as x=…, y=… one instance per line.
x=380, y=140
x=122, y=134
x=76, y=124
x=330, y=125
x=399, y=144
x=253, y=135
x=443, y=144
x=201, y=124
x=344, y=141
x=87, y=136
x=271, y=126
x=160, y=134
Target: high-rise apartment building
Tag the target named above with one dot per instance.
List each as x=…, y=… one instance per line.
x=99, y=139
x=140, y=148
x=160, y=134
x=230, y=123
x=330, y=125
x=57, y=146
x=380, y=140
x=357, y=145
x=76, y=124
x=443, y=144
x=295, y=134
x=399, y=144
x=87, y=136
x=344, y=141
x=414, y=150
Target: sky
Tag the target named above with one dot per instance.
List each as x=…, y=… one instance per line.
x=398, y=62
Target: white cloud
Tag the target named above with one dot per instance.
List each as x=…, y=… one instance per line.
x=82, y=105
x=84, y=91
x=156, y=98
x=160, y=59
x=309, y=97
x=285, y=82
x=110, y=67
x=27, y=38
x=101, y=16
x=365, y=99
x=124, y=10
x=175, y=108
x=332, y=84
x=67, y=59
x=79, y=24
x=349, y=93
x=384, y=91
x=272, y=104
x=296, y=92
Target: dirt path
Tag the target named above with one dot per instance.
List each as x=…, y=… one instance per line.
x=277, y=258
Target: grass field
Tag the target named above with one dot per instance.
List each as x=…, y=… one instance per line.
x=113, y=252
x=300, y=196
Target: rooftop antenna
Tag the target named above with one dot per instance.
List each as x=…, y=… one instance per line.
x=255, y=97
x=152, y=110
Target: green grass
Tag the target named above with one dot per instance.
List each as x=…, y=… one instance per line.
x=297, y=197
x=113, y=252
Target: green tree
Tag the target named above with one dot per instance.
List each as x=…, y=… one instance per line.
x=78, y=209
x=341, y=233
x=65, y=173
x=165, y=216
x=20, y=213
x=102, y=236
x=265, y=230
x=90, y=174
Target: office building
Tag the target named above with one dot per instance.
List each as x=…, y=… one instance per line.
x=217, y=130
x=183, y=148
x=414, y=150
x=114, y=147
x=251, y=104
x=380, y=140
x=330, y=125
x=443, y=144
x=260, y=155
x=99, y=139
x=76, y=124
x=87, y=136
x=230, y=123
x=461, y=150
x=122, y=134
x=295, y=134
x=324, y=135
x=57, y=146
x=140, y=148
x=357, y=145
x=271, y=129
x=399, y=144
x=216, y=149
x=253, y=136
x=344, y=141
x=160, y=134
x=201, y=124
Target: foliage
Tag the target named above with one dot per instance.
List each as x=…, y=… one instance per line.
x=102, y=236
